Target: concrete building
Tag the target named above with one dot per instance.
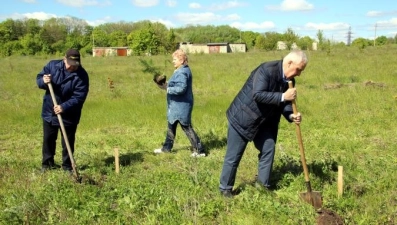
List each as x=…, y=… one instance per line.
x=211, y=48
x=111, y=51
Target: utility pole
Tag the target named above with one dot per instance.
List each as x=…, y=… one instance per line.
x=349, y=36
x=376, y=25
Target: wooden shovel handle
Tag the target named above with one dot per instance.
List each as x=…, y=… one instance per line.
x=65, y=136
x=301, y=148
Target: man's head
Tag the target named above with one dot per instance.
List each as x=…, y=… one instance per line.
x=294, y=63
x=72, y=60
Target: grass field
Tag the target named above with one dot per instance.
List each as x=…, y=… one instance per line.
x=348, y=99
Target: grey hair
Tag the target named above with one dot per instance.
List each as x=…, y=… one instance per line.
x=296, y=56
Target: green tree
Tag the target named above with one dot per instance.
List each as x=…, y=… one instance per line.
x=260, y=42
x=144, y=41
x=320, y=38
x=31, y=44
x=51, y=34
x=271, y=39
x=381, y=40
x=305, y=43
x=118, y=39
x=361, y=43
x=290, y=37
x=32, y=26
x=100, y=38
x=249, y=38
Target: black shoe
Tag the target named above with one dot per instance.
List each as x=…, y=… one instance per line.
x=68, y=170
x=227, y=193
x=45, y=168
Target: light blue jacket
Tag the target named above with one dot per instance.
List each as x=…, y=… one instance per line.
x=180, y=96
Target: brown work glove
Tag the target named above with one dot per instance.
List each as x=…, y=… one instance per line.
x=159, y=79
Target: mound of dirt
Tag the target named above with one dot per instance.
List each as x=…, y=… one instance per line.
x=328, y=217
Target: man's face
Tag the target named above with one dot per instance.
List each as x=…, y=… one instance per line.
x=68, y=67
x=294, y=69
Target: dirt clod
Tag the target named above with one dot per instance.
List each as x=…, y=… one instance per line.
x=328, y=217
x=159, y=79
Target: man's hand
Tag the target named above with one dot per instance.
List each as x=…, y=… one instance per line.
x=47, y=78
x=58, y=109
x=290, y=94
x=296, y=118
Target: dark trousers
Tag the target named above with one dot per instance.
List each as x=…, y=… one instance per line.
x=190, y=133
x=264, y=141
x=49, y=144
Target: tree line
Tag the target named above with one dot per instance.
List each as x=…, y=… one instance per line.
x=55, y=35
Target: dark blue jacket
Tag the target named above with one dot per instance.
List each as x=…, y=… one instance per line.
x=70, y=89
x=259, y=101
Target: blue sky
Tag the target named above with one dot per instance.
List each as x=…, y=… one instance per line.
x=364, y=18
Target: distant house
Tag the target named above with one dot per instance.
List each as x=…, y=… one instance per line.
x=111, y=51
x=211, y=48
x=281, y=45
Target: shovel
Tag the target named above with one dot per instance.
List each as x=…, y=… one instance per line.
x=65, y=137
x=312, y=197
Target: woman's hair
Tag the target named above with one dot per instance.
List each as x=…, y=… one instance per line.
x=181, y=55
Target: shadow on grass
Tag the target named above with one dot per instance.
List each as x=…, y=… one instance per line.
x=322, y=169
x=125, y=159
x=212, y=141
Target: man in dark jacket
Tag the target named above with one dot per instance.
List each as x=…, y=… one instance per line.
x=255, y=113
x=70, y=83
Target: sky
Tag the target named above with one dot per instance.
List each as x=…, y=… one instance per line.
x=337, y=19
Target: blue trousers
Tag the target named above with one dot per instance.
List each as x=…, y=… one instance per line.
x=265, y=141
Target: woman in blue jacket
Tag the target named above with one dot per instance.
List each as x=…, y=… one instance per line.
x=180, y=105
x=70, y=83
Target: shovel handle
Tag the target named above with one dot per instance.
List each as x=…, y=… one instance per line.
x=301, y=148
x=65, y=136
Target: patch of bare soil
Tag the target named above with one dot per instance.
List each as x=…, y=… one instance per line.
x=328, y=217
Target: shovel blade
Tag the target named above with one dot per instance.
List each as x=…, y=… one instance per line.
x=314, y=198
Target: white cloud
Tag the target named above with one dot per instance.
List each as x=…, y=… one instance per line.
x=171, y=3
x=145, y=3
x=167, y=23
x=105, y=19
x=381, y=13
x=197, y=18
x=292, y=5
x=232, y=17
x=34, y=15
x=374, y=13
x=387, y=24
x=251, y=26
x=194, y=5
x=327, y=26
x=204, y=18
x=82, y=3
x=225, y=5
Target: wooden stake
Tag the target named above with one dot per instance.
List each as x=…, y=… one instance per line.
x=340, y=181
x=116, y=160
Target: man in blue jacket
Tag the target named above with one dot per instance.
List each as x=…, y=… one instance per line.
x=255, y=113
x=71, y=84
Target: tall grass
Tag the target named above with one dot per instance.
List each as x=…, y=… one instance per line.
x=347, y=99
